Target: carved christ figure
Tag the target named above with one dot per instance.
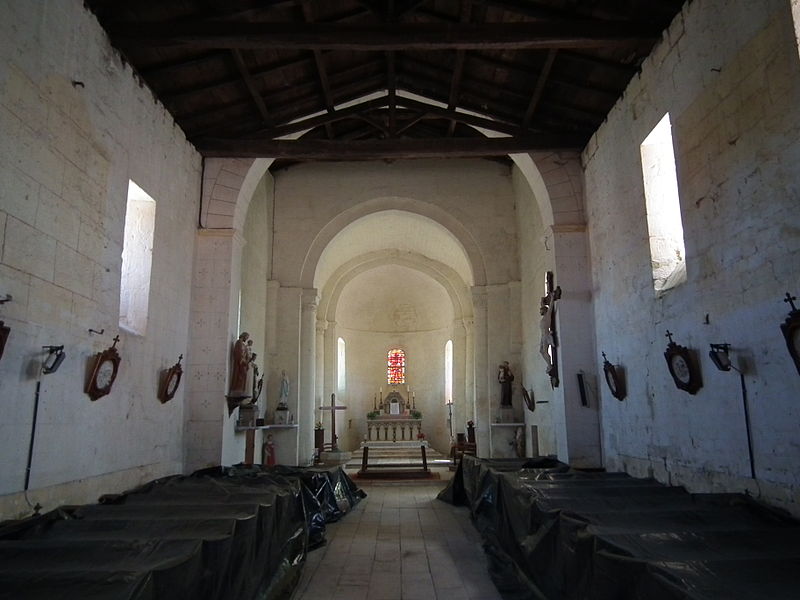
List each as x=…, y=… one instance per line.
x=547, y=326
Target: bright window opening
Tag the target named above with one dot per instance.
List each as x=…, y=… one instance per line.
x=396, y=367
x=341, y=373
x=137, y=259
x=448, y=372
x=667, y=251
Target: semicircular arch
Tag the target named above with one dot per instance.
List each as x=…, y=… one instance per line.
x=411, y=205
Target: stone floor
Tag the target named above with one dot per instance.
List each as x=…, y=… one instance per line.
x=400, y=543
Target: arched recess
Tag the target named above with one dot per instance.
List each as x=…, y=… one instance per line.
x=453, y=284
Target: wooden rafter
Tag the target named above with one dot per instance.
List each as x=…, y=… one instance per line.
x=540, y=83
x=322, y=73
x=382, y=37
x=255, y=74
x=251, y=87
x=458, y=68
x=217, y=118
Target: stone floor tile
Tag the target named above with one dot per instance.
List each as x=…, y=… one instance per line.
x=351, y=592
x=400, y=543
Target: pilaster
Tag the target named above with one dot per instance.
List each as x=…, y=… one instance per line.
x=305, y=410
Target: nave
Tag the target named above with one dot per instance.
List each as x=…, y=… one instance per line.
x=399, y=543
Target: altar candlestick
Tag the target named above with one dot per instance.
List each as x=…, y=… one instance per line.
x=374, y=402
x=414, y=400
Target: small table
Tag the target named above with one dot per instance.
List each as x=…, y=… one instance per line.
x=394, y=470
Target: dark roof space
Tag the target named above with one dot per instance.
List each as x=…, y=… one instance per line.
x=362, y=79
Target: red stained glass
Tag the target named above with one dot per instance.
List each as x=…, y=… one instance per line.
x=396, y=367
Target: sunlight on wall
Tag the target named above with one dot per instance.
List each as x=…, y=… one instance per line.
x=667, y=251
x=137, y=258
x=341, y=373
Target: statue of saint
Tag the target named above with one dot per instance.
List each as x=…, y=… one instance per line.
x=505, y=377
x=240, y=366
x=283, y=401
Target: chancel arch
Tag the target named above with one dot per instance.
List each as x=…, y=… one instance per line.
x=379, y=298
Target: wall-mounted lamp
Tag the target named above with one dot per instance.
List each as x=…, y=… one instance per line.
x=719, y=354
x=54, y=359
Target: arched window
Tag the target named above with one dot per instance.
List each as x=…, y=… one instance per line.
x=396, y=367
x=341, y=373
x=137, y=259
x=667, y=250
x=448, y=372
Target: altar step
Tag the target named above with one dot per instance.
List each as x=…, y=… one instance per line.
x=396, y=456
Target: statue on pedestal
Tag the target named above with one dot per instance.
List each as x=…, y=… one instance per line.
x=505, y=377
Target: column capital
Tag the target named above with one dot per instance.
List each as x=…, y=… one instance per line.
x=309, y=300
x=321, y=326
x=479, y=296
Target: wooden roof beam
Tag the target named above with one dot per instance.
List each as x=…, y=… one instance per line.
x=383, y=37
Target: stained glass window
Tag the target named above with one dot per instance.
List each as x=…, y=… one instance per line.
x=396, y=367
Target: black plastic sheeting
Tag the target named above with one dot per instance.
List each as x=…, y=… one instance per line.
x=553, y=533
x=241, y=532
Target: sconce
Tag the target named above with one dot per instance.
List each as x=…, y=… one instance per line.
x=719, y=354
x=54, y=359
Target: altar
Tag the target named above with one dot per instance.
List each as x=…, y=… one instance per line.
x=395, y=419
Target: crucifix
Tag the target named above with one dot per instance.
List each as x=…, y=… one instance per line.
x=548, y=344
x=333, y=408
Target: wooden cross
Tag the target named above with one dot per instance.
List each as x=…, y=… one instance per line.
x=333, y=408
x=790, y=299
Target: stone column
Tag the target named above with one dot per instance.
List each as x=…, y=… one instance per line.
x=577, y=427
x=307, y=387
x=331, y=360
x=469, y=374
x=483, y=413
x=319, y=377
x=459, y=376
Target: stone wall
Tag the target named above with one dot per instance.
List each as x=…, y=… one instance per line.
x=75, y=126
x=732, y=88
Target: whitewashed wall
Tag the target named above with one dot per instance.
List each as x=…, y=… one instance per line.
x=75, y=126
x=732, y=87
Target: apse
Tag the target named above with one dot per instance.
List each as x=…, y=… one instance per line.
x=386, y=308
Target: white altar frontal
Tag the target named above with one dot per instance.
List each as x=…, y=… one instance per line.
x=393, y=421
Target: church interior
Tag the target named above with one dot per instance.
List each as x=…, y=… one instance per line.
x=550, y=233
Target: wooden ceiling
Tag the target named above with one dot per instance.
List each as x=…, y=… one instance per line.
x=369, y=79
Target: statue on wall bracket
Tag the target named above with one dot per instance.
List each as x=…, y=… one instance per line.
x=548, y=343
x=791, y=330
